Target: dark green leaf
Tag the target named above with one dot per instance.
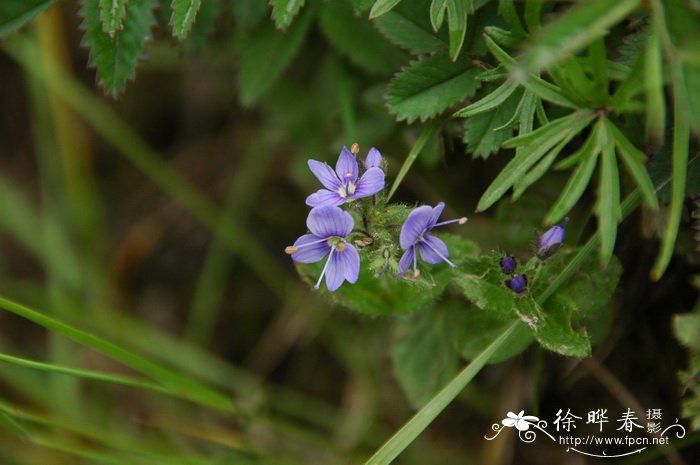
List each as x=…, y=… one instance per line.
x=112, y=14
x=654, y=90
x=407, y=26
x=184, y=14
x=355, y=37
x=552, y=328
x=483, y=133
x=429, y=86
x=284, y=11
x=424, y=361
x=572, y=31
x=266, y=55
x=203, y=28
x=482, y=282
x=510, y=14
x=15, y=13
x=248, y=13
x=116, y=58
x=381, y=7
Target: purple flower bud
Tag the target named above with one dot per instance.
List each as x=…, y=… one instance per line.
x=508, y=264
x=517, y=284
x=550, y=241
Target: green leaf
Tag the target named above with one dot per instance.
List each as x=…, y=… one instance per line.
x=533, y=13
x=456, y=25
x=423, y=360
x=204, y=27
x=112, y=14
x=356, y=38
x=482, y=282
x=552, y=328
x=429, y=86
x=116, y=58
x=633, y=159
x=538, y=142
x=15, y=13
x=267, y=53
x=437, y=13
x=510, y=14
x=655, y=109
x=284, y=11
x=522, y=183
x=381, y=7
x=490, y=101
x=572, y=31
x=183, y=16
x=408, y=27
x=578, y=181
x=686, y=327
x=608, y=204
x=484, y=132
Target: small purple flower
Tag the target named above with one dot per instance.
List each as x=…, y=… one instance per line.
x=345, y=183
x=517, y=284
x=508, y=264
x=329, y=227
x=549, y=242
x=415, y=238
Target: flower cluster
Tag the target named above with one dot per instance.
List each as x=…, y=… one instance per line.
x=330, y=227
x=547, y=244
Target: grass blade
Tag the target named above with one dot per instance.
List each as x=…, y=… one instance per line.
x=412, y=155
x=489, y=102
x=608, y=205
x=654, y=89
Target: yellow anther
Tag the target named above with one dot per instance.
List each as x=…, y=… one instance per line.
x=290, y=249
x=355, y=148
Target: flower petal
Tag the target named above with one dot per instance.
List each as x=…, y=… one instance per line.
x=325, y=174
x=310, y=253
x=346, y=167
x=406, y=259
x=329, y=220
x=324, y=197
x=369, y=184
x=415, y=225
x=374, y=159
x=437, y=211
x=431, y=248
x=350, y=262
x=335, y=274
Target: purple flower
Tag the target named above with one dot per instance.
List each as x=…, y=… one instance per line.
x=517, y=284
x=549, y=242
x=508, y=264
x=415, y=237
x=345, y=183
x=329, y=227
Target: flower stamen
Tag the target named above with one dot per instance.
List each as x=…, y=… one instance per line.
x=325, y=267
x=438, y=253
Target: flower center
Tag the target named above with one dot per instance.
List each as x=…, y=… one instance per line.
x=337, y=242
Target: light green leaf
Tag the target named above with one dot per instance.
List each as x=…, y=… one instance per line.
x=686, y=327
x=284, y=11
x=116, y=58
x=608, y=204
x=437, y=13
x=356, y=38
x=15, y=13
x=381, y=7
x=634, y=162
x=578, y=181
x=456, y=25
x=422, y=360
x=266, y=55
x=407, y=26
x=183, y=16
x=489, y=102
x=429, y=86
x=572, y=31
x=538, y=142
x=112, y=14
x=510, y=15
x=486, y=131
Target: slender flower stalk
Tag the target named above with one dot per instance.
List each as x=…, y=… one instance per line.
x=415, y=238
x=329, y=228
x=345, y=183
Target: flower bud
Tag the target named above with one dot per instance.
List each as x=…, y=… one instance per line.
x=517, y=284
x=508, y=264
x=550, y=241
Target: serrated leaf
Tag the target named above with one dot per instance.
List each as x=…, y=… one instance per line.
x=116, y=58
x=203, y=28
x=284, y=11
x=15, y=13
x=429, y=86
x=112, y=14
x=422, y=359
x=267, y=53
x=552, y=328
x=687, y=330
x=456, y=25
x=538, y=142
x=608, y=204
x=408, y=27
x=482, y=135
x=572, y=31
x=183, y=16
x=381, y=7
x=355, y=38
